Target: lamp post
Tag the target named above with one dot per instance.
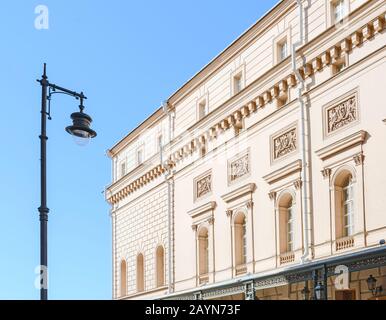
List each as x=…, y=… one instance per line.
x=80, y=129
x=372, y=285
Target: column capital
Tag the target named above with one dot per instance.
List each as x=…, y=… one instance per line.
x=359, y=159
x=272, y=195
x=249, y=204
x=298, y=184
x=326, y=172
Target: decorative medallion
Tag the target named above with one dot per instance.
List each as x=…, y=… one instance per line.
x=342, y=114
x=285, y=144
x=239, y=167
x=203, y=186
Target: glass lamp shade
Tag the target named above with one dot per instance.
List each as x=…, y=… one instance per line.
x=371, y=282
x=81, y=126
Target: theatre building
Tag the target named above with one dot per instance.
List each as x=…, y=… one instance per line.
x=264, y=176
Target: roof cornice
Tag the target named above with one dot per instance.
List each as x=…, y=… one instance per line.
x=233, y=49
x=148, y=123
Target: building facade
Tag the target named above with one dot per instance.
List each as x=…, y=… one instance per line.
x=261, y=177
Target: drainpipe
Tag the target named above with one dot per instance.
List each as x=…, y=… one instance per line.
x=303, y=126
x=167, y=175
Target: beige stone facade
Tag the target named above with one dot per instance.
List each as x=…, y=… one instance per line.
x=262, y=175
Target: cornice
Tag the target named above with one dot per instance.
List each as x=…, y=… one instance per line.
x=285, y=171
x=202, y=209
x=350, y=42
x=135, y=133
x=233, y=49
x=305, y=50
x=350, y=141
x=239, y=192
x=135, y=185
x=139, y=170
x=318, y=64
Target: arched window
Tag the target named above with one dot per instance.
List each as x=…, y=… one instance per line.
x=140, y=273
x=160, y=266
x=344, y=204
x=240, y=225
x=123, y=279
x=290, y=227
x=203, y=251
x=287, y=223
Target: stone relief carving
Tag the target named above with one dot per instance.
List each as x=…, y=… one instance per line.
x=204, y=186
x=239, y=168
x=285, y=144
x=343, y=114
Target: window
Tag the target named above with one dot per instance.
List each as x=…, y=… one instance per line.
x=281, y=46
x=237, y=79
x=140, y=156
x=160, y=266
x=159, y=143
x=290, y=228
x=123, y=169
x=339, y=10
x=244, y=234
x=140, y=273
x=123, y=279
x=202, y=109
x=348, y=207
x=286, y=224
x=282, y=50
x=203, y=249
x=237, y=83
x=240, y=226
x=344, y=194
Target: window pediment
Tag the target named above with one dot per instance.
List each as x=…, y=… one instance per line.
x=283, y=172
x=339, y=146
x=239, y=192
x=202, y=213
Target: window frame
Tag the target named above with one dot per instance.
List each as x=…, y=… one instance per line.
x=158, y=272
x=330, y=7
x=239, y=76
x=140, y=273
x=290, y=227
x=285, y=36
x=122, y=168
x=348, y=225
x=202, y=103
x=140, y=150
x=159, y=142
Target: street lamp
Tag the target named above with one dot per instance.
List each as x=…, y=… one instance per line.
x=80, y=128
x=371, y=284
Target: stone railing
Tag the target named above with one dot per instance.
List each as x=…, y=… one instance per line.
x=241, y=269
x=344, y=243
x=287, y=258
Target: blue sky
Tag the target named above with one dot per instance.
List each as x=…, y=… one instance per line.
x=127, y=56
